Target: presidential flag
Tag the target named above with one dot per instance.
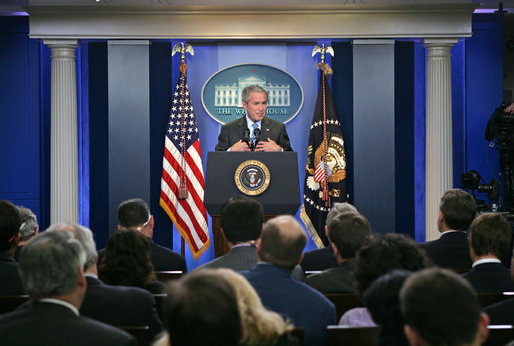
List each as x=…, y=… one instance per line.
x=325, y=175
x=182, y=183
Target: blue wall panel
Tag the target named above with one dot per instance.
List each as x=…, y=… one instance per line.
x=20, y=141
x=484, y=67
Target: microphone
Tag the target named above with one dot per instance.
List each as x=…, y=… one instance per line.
x=246, y=135
x=256, y=135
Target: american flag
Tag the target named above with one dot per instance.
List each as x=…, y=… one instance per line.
x=182, y=183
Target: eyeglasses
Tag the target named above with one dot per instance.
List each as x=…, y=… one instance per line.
x=145, y=224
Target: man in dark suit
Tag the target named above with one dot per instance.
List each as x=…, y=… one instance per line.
x=441, y=308
x=322, y=259
x=10, y=222
x=241, y=225
x=456, y=212
x=114, y=305
x=348, y=232
x=501, y=313
x=51, y=270
x=134, y=213
x=238, y=135
x=280, y=249
x=490, y=238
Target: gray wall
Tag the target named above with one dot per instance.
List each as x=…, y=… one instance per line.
x=373, y=132
x=129, y=123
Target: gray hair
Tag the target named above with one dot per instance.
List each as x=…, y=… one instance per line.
x=84, y=237
x=340, y=208
x=50, y=263
x=28, y=223
x=245, y=96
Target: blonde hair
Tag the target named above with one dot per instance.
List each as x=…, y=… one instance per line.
x=262, y=326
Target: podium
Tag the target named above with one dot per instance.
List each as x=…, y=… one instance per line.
x=281, y=196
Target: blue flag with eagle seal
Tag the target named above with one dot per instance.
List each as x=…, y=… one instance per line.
x=325, y=172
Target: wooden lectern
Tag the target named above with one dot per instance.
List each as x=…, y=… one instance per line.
x=281, y=196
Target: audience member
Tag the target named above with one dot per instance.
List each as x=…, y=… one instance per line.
x=501, y=313
x=127, y=262
x=134, y=213
x=201, y=309
x=322, y=259
x=262, y=326
x=279, y=250
x=382, y=299
x=441, y=308
x=241, y=226
x=383, y=254
x=114, y=305
x=456, y=211
x=10, y=222
x=348, y=232
x=51, y=272
x=490, y=238
x=28, y=230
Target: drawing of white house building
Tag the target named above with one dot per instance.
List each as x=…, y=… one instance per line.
x=229, y=95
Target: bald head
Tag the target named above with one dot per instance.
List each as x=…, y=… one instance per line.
x=282, y=242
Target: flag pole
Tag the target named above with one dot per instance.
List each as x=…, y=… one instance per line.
x=183, y=193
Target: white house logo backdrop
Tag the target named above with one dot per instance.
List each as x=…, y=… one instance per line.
x=221, y=94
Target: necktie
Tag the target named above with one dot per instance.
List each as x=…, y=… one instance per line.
x=254, y=126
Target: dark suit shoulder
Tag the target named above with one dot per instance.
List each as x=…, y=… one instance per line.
x=319, y=259
x=164, y=259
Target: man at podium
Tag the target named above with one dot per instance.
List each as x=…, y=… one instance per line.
x=254, y=132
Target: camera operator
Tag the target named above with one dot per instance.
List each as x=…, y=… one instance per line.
x=510, y=108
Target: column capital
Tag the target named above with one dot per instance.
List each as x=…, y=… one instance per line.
x=61, y=43
x=439, y=47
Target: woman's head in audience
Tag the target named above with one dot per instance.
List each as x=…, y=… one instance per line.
x=126, y=260
x=263, y=327
x=382, y=299
x=202, y=309
x=385, y=253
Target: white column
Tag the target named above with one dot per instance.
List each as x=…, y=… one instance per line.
x=64, y=147
x=439, y=151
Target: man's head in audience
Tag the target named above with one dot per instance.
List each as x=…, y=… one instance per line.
x=10, y=222
x=338, y=209
x=457, y=210
x=282, y=242
x=52, y=267
x=29, y=226
x=202, y=309
x=85, y=237
x=441, y=308
x=385, y=253
x=348, y=232
x=241, y=220
x=490, y=237
x=134, y=213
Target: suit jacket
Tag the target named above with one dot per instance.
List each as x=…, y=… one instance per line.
x=163, y=259
x=10, y=281
x=41, y=324
x=238, y=258
x=502, y=312
x=319, y=259
x=242, y=258
x=334, y=280
x=120, y=306
x=303, y=305
x=490, y=277
x=451, y=250
x=233, y=131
